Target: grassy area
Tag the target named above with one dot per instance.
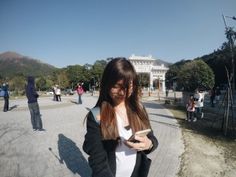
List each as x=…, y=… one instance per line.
x=207, y=151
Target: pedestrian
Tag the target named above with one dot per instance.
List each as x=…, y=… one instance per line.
x=167, y=93
x=80, y=92
x=6, y=97
x=58, y=93
x=54, y=93
x=212, y=96
x=199, y=103
x=117, y=115
x=190, y=109
x=32, y=97
x=218, y=93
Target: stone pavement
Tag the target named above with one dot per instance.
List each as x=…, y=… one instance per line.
x=57, y=151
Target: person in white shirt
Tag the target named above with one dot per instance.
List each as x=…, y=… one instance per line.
x=199, y=103
x=58, y=93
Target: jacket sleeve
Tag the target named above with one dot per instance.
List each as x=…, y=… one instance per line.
x=35, y=94
x=154, y=140
x=93, y=146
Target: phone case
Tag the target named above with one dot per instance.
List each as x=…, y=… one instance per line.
x=139, y=133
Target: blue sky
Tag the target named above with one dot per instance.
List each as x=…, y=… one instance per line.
x=68, y=32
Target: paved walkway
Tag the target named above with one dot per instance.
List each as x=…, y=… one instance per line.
x=57, y=151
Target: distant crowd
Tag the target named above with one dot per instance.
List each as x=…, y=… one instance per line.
x=32, y=99
x=195, y=103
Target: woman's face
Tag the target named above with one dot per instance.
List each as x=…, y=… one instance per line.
x=118, y=92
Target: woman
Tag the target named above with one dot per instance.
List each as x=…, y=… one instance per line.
x=80, y=92
x=116, y=116
x=6, y=97
x=33, y=105
x=58, y=93
x=190, y=106
x=199, y=103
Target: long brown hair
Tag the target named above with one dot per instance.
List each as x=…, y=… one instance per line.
x=120, y=69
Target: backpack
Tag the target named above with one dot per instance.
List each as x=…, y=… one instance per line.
x=2, y=93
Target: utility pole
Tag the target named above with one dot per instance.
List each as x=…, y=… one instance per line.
x=231, y=35
x=229, y=105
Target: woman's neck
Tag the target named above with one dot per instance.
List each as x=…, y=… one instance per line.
x=121, y=111
x=121, y=105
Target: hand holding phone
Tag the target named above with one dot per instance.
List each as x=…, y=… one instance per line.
x=141, y=133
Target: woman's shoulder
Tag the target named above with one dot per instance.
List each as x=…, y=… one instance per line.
x=96, y=113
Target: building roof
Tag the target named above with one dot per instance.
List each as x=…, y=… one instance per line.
x=135, y=57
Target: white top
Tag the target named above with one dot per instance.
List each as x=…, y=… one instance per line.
x=200, y=99
x=58, y=91
x=125, y=156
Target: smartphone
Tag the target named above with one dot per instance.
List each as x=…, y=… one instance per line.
x=139, y=133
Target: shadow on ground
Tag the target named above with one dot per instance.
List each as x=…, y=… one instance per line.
x=13, y=107
x=151, y=105
x=72, y=157
x=73, y=102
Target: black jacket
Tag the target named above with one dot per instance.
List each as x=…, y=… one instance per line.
x=102, y=158
x=30, y=90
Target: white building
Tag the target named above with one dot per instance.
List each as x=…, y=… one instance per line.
x=146, y=64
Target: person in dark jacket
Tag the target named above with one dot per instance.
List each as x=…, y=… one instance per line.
x=117, y=115
x=212, y=96
x=6, y=97
x=32, y=97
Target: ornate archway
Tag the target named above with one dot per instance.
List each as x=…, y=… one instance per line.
x=147, y=64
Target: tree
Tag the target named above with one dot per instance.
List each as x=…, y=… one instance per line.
x=17, y=84
x=195, y=74
x=143, y=79
x=98, y=67
x=218, y=61
x=1, y=79
x=173, y=71
x=97, y=70
x=74, y=74
x=41, y=83
x=62, y=80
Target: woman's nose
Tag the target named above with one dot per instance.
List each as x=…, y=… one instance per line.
x=122, y=92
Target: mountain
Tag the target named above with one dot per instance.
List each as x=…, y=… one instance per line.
x=12, y=63
x=160, y=62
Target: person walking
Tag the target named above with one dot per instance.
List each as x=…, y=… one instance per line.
x=54, y=93
x=199, y=103
x=167, y=93
x=117, y=115
x=6, y=97
x=80, y=92
x=212, y=97
x=58, y=93
x=218, y=93
x=32, y=97
x=190, y=107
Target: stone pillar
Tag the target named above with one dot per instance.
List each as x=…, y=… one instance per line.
x=150, y=81
x=163, y=86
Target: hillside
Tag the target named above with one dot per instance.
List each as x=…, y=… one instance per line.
x=218, y=61
x=159, y=62
x=12, y=63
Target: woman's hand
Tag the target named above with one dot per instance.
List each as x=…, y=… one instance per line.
x=143, y=143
